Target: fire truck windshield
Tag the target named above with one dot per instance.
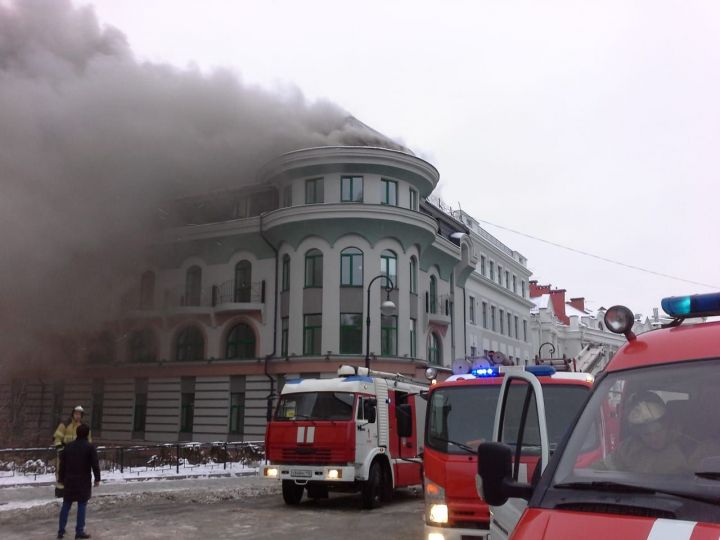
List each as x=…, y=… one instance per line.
x=461, y=418
x=654, y=429
x=316, y=406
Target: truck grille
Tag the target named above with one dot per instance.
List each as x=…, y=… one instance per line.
x=311, y=455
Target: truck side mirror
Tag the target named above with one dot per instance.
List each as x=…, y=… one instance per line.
x=370, y=410
x=404, y=420
x=495, y=470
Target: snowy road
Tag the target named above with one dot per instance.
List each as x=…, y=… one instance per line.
x=213, y=508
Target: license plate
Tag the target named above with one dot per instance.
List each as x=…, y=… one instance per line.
x=300, y=473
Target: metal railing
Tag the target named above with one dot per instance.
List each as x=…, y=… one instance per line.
x=230, y=292
x=170, y=458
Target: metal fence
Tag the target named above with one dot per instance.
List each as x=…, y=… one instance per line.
x=170, y=458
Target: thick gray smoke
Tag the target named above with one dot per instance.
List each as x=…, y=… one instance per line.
x=92, y=141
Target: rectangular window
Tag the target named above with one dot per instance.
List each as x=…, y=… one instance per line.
x=351, y=189
x=314, y=269
x=284, y=333
x=473, y=351
x=187, y=412
x=413, y=199
x=285, y=274
x=312, y=335
x=314, y=191
x=471, y=301
x=97, y=411
x=492, y=270
x=413, y=275
x=413, y=338
x=502, y=321
x=522, y=288
x=517, y=335
x=482, y=265
x=525, y=331
x=500, y=272
x=237, y=412
x=509, y=326
x=507, y=279
x=515, y=284
x=484, y=315
x=140, y=412
x=287, y=196
x=388, y=193
x=351, y=333
x=492, y=318
x=388, y=335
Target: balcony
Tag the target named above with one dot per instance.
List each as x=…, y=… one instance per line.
x=438, y=309
x=231, y=298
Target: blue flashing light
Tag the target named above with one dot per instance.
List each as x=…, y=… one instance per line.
x=485, y=372
x=293, y=381
x=541, y=371
x=696, y=305
x=361, y=378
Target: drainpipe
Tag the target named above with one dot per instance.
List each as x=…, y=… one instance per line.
x=271, y=396
x=464, y=322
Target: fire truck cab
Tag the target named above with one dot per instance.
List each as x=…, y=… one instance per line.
x=642, y=459
x=361, y=431
x=461, y=413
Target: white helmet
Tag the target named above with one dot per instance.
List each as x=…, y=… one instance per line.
x=79, y=408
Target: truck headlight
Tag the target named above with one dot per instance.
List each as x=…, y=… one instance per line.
x=438, y=513
x=271, y=472
x=436, y=536
x=334, y=474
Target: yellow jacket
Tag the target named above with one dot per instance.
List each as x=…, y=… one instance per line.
x=65, y=434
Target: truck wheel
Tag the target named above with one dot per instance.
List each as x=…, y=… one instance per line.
x=387, y=487
x=371, y=493
x=317, y=492
x=292, y=493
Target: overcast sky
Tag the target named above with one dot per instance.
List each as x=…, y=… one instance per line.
x=590, y=124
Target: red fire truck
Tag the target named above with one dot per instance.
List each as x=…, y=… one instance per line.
x=461, y=413
x=361, y=431
x=641, y=461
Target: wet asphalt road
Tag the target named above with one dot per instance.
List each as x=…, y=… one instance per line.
x=259, y=517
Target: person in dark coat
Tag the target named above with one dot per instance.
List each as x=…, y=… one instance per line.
x=76, y=462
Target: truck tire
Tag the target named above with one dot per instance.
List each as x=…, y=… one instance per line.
x=292, y=493
x=316, y=491
x=371, y=493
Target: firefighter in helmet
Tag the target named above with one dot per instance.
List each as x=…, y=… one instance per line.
x=65, y=433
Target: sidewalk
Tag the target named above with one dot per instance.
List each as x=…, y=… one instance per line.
x=28, y=496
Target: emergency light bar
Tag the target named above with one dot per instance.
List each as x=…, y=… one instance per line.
x=696, y=305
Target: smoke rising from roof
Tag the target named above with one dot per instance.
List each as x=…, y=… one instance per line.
x=93, y=140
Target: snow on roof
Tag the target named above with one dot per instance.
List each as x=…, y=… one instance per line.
x=541, y=302
x=572, y=311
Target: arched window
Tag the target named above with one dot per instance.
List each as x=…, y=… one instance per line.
x=413, y=275
x=433, y=294
x=314, y=268
x=240, y=342
x=147, y=290
x=388, y=266
x=141, y=346
x=434, y=350
x=351, y=267
x=190, y=345
x=243, y=281
x=193, y=286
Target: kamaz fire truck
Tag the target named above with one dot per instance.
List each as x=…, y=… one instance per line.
x=460, y=416
x=361, y=431
x=642, y=459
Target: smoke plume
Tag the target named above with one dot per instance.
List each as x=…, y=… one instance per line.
x=92, y=142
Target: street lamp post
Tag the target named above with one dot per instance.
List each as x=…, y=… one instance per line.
x=387, y=308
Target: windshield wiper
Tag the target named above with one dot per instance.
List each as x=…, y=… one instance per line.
x=631, y=488
x=468, y=449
